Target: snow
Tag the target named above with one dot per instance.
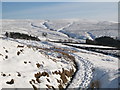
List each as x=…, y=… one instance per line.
x=25, y=56
x=105, y=68
x=15, y=63
x=95, y=46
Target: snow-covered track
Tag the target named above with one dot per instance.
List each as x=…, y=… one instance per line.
x=83, y=75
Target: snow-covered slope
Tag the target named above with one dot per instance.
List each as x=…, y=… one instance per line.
x=21, y=62
x=45, y=64
x=78, y=28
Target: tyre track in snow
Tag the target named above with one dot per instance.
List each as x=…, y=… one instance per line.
x=83, y=74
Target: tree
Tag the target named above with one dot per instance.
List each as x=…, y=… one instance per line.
x=6, y=34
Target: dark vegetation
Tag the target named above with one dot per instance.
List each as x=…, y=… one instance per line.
x=16, y=35
x=18, y=74
x=18, y=53
x=3, y=74
x=38, y=65
x=6, y=57
x=105, y=41
x=95, y=84
x=10, y=82
x=20, y=46
x=44, y=34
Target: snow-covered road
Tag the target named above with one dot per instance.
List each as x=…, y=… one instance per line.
x=84, y=73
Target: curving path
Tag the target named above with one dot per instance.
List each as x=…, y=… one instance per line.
x=84, y=73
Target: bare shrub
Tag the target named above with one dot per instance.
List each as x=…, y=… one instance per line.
x=18, y=53
x=38, y=65
x=37, y=75
x=45, y=74
x=6, y=57
x=20, y=46
x=18, y=74
x=3, y=74
x=10, y=82
x=63, y=75
x=34, y=87
x=48, y=80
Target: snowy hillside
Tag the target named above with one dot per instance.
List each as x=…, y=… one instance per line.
x=47, y=64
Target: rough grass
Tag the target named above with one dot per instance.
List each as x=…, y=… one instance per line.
x=64, y=52
x=95, y=84
x=64, y=74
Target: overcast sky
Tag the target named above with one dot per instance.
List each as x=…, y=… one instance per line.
x=60, y=10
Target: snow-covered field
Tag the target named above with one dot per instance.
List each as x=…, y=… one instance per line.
x=45, y=64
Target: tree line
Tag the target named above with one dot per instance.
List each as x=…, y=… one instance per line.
x=105, y=41
x=17, y=35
